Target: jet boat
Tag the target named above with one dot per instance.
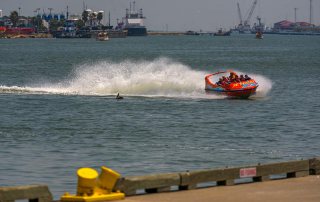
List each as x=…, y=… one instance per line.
x=241, y=89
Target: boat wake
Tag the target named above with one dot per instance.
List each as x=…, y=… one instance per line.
x=265, y=85
x=159, y=78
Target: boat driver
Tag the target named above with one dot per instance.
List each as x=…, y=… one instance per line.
x=219, y=82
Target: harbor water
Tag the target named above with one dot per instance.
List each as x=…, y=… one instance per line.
x=59, y=113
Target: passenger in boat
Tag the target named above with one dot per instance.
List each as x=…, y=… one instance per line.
x=236, y=79
x=233, y=77
x=225, y=80
x=246, y=77
x=242, y=78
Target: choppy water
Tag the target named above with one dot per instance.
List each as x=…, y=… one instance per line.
x=58, y=111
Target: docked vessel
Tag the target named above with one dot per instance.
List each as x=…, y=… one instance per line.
x=193, y=33
x=116, y=33
x=230, y=87
x=259, y=35
x=222, y=33
x=102, y=36
x=260, y=27
x=133, y=22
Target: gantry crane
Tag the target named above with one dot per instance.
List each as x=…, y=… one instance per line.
x=246, y=23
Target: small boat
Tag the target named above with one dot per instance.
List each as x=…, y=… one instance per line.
x=259, y=35
x=241, y=89
x=118, y=97
x=192, y=33
x=102, y=36
x=222, y=33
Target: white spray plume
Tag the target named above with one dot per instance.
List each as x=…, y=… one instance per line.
x=160, y=77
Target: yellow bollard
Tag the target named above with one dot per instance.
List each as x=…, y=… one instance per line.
x=108, y=178
x=86, y=181
x=91, y=189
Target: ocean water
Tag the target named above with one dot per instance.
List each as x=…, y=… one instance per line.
x=59, y=113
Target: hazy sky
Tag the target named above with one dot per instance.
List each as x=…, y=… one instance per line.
x=178, y=15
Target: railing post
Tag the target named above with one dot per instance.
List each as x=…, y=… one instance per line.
x=314, y=166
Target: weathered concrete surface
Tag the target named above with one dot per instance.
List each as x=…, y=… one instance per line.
x=34, y=193
x=304, y=189
x=224, y=176
x=315, y=166
x=151, y=183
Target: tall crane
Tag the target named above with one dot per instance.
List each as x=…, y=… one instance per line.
x=253, y=6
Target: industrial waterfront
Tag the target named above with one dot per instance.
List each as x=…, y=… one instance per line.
x=90, y=22
x=61, y=114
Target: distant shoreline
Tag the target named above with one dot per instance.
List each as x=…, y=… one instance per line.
x=22, y=36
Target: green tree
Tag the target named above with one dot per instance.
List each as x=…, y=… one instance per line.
x=99, y=17
x=80, y=24
x=54, y=24
x=85, y=15
x=14, y=17
x=37, y=22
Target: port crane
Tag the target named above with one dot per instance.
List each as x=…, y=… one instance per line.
x=246, y=23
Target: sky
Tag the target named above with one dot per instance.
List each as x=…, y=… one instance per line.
x=178, y=15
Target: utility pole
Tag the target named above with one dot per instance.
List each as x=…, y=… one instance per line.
x=50, y=16
x=311, y=12
x=67, y=12
x=37, y=18
x=109, y=19
x=19, y=20
x=50, y=9
x=239, y=13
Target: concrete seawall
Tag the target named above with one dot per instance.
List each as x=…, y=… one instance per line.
x=217, y=177
x=176, y=184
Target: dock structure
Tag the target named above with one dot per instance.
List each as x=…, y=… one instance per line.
x=193, y=180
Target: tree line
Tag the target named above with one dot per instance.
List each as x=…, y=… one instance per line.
x=54, y=24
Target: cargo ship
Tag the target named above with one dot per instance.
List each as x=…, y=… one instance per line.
x=133, y=22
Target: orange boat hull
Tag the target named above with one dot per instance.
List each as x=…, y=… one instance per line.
x=243, y=89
